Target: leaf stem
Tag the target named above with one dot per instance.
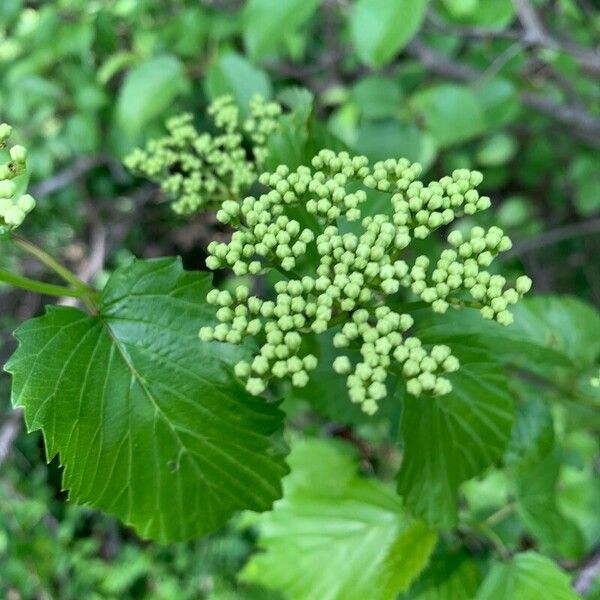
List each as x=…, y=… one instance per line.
x=33, y=285
x=52, y=264
x=501, y=514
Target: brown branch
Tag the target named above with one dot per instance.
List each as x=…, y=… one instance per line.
x=553, y=236
x=588, y=573
x=478, y=33
x=583, y=124
x=537, y=35
x=9, y=432
x=74, y=171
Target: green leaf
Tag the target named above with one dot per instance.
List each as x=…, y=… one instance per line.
x=533, y=434
x=493, y=14
x=496, y=150
x=499, y=100
x=452, y=438
x=527, y=576
x=149, y=423
x=337, y=536
x=377, y=96
x=233, y=74
x=384, y=138
x=148, y=90
x=537, y=506
x=268, y=24
x=548, y=332
x=380, y=28
x=451, y=112
x=448, y=577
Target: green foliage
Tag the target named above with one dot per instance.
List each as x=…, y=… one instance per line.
x=380, y=28
x=234, y=75
x=330, y=516
x=148, y=90
x=171, y=444
x=490, y=490
x=268, y=25
x=523, y=577
x=453, y=438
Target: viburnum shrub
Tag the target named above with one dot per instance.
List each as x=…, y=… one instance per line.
x=351, y=280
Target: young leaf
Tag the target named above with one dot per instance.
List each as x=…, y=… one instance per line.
x=148, y=90
x=337, y=536
x=528, y=576
x=380, y=28
x=452, y=438
x=149, y=423
x=235, y=75
x=452, y=113
x=268, y=24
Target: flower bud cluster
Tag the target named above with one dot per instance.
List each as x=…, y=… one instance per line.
x=201, y=169
x=14, y=207
x=355, y=275
x=382, y=344
x=464, y=268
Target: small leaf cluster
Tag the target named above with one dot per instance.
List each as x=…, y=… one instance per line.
x=14, y=207
x=358, y=274
x=201, y=169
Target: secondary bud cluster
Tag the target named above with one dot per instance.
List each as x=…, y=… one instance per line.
x=14, y=207
x=200, y=169
x=347, y=279
x=464, y=268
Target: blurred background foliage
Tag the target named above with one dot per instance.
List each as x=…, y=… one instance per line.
x=507, y=87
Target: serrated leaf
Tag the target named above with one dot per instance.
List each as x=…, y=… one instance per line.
x=380, y=28
x=527, y=576
x=548, y=332
x=452, y=438
x=337, y=536
x=267, y=24
x=148, y=90
x=149, y=423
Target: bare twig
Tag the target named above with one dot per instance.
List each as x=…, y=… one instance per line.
x=8, y=433
x=537, y=35
x=479, y=33
x=584, y=125
x=553, y=236
x=586, y=576
x=73, y=172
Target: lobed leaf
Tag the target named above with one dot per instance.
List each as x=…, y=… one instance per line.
x=149, y=423
x=337, y=536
